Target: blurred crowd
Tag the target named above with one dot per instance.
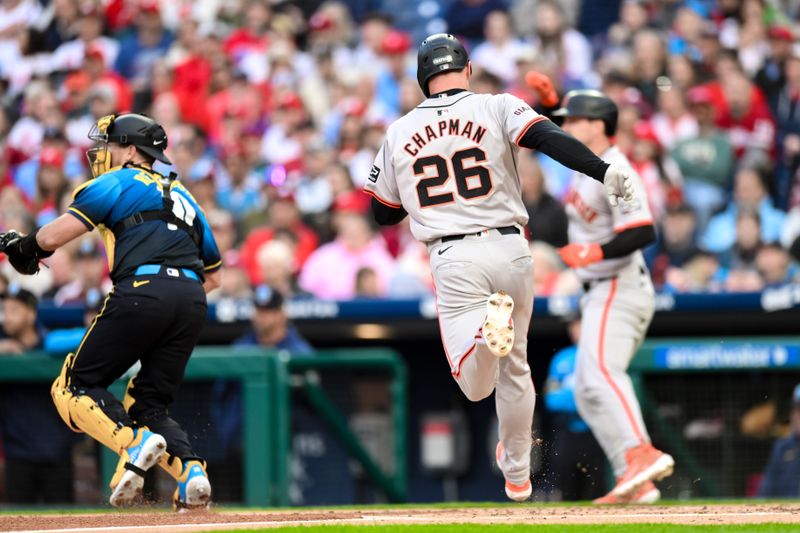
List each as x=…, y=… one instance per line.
x=276, y=109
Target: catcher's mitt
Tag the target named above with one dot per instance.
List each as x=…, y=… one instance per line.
x=10, y=244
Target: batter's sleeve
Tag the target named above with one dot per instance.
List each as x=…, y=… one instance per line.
x=635, y=213
x=382, y=182
x=93, y=200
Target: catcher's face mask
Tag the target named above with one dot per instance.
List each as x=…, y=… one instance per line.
x=99, y=157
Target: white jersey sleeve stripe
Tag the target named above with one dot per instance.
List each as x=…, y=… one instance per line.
x=527, y=127
x=381, y=200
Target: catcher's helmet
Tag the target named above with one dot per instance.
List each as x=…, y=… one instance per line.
x=439, y=53
x=589, y=103
x=130, y=129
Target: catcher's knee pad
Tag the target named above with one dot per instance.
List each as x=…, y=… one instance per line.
x=61, y=395
x=82, y=414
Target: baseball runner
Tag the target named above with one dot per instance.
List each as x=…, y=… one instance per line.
x=163, y=259
x=618, y=304
x=451, y=164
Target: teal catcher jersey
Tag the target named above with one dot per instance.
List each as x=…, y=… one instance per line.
x=124, y=191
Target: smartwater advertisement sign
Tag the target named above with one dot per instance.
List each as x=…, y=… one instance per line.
x=727, y=355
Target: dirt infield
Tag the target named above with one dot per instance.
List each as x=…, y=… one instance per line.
x=220, y=520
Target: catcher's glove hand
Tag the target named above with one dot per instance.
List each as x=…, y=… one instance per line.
x=10, y=244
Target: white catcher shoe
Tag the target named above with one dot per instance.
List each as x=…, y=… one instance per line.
x=144, y=453
x=498, y=328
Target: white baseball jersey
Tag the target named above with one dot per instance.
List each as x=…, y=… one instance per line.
x=593, y=219
x=451, y=163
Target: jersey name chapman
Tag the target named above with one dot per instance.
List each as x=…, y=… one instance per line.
x=453, y=126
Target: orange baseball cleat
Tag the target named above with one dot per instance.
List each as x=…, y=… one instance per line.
x=645, y=463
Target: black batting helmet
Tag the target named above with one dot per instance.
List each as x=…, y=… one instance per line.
x=587, y=103
x=439, y=53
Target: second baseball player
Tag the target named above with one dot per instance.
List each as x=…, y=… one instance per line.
x=451, y=165
x=617, y=306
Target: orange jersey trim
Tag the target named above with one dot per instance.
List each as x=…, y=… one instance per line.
x=528, y=126
x=381, y=200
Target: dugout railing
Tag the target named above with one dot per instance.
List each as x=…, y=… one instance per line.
x=268, y=378
x=713, y=383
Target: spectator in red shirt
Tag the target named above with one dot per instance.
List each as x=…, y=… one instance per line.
x=283, y=215
x=743, y=113
x=51, y=184
x=191, y=56
x=252, y=37
x=238, y=99
x=95, y=68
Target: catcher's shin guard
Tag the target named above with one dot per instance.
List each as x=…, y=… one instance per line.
x=82, y=414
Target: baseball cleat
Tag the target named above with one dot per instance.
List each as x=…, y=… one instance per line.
x=518, y=493
x=194, y=488
x=647, y=494
x=145, y=451
x=498, y=328
x=645, y=463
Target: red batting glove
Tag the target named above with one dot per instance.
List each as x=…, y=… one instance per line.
x=543, y=87
x=580, y=255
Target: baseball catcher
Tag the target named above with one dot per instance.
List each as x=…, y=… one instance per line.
x=163, y=259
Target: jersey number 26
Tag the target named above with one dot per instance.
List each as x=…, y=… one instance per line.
x=466, y=189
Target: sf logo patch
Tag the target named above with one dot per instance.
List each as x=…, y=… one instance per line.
x=374, y=173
